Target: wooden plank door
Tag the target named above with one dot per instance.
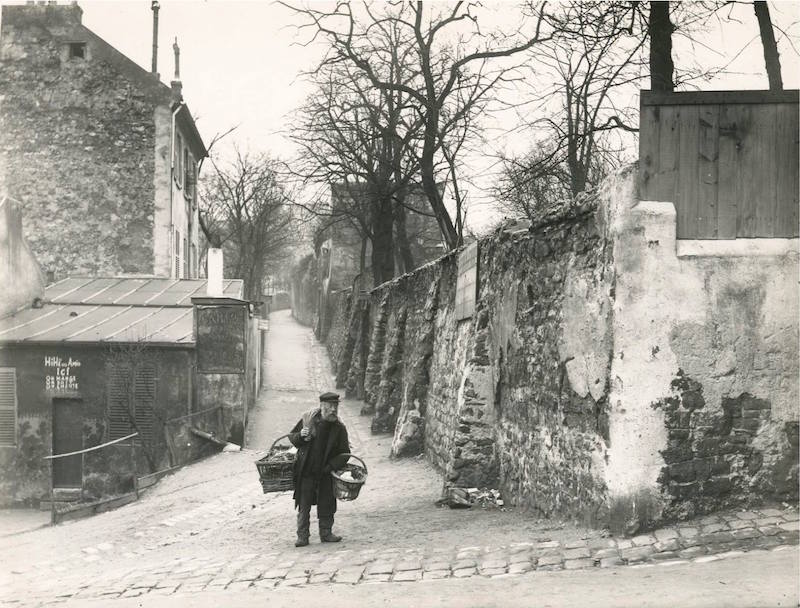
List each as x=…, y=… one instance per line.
x=67, y=437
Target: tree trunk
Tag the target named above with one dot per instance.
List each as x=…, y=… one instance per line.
x=382, y=242
x=660, y=30
x=457, y=193
x=405, y=257
x=429, y=181
x=771, y=56
x=577, y=172
x=362, y=261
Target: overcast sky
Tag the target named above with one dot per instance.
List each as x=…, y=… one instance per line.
x=240, y=60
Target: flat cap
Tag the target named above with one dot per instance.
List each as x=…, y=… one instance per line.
x=329, y=397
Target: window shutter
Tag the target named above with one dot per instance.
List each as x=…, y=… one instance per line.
x=144, y=395
x=8, y=406
x=178, y=160
x=118, y=402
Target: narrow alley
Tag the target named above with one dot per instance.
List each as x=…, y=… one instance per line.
x=209, y=529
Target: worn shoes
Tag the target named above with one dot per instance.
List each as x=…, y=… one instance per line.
x=330, y=537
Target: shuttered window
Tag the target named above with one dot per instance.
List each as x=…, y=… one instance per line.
x=119, y=382
x=144, y=395
x=8, y=406
x=131, y=398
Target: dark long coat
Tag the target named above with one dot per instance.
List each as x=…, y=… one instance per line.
x=337, y=445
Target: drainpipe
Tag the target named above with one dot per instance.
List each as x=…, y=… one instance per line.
x=172, y=188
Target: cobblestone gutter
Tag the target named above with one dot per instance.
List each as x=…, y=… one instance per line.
x=723, y=536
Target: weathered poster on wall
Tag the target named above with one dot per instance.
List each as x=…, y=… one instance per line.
x=220, y=339
x=467, y=281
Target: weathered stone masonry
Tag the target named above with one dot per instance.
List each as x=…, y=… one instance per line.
x=436, y=382
x=548, y=345
x=605, y=362
x=77, y=141
x=86, y=146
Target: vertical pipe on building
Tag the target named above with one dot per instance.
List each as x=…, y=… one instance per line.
x=171, y=190
x=155, y=6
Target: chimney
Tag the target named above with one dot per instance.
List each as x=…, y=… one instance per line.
x=177, y=87
x=214, y=272
x=155, y=6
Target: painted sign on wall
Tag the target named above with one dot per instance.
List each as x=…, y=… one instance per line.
x=61, y=374
x=220, y=339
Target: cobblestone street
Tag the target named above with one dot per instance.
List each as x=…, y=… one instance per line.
x=209, y=529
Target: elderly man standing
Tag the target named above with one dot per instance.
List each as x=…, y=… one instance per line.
x=322, y=446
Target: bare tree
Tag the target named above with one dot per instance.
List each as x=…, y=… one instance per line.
x=359, y=141
x=453, y=61
x=532, y=182
x=249, y=213
x=593, y=63
x=590, y=57
x=771, y=56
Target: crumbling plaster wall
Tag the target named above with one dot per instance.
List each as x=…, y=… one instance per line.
x=705, y=372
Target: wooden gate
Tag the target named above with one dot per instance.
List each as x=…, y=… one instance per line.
x=67, y=437
x=728, y=160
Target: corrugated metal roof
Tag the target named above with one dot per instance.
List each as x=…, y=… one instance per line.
x=82, y=323
x=134, y=291
x=91, y=310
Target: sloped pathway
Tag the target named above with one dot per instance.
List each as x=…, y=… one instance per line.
x=208, y=528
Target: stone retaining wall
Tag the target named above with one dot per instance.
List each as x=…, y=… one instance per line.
x=605, y=373
x=488, y=399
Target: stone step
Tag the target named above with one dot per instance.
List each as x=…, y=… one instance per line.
x=67, y=494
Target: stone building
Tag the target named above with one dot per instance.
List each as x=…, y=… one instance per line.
x=93, y=360
x=101, y=155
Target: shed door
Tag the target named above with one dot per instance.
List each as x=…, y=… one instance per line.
x=67, y=437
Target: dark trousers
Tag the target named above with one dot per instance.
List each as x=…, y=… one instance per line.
x=319, y=492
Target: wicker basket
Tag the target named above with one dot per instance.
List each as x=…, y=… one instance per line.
x=346, y=489
x=275, y=474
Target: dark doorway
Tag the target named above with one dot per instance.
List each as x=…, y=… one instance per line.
x=67, y=437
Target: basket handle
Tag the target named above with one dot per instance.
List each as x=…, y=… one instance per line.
x=276, y=441
x=364, y=464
